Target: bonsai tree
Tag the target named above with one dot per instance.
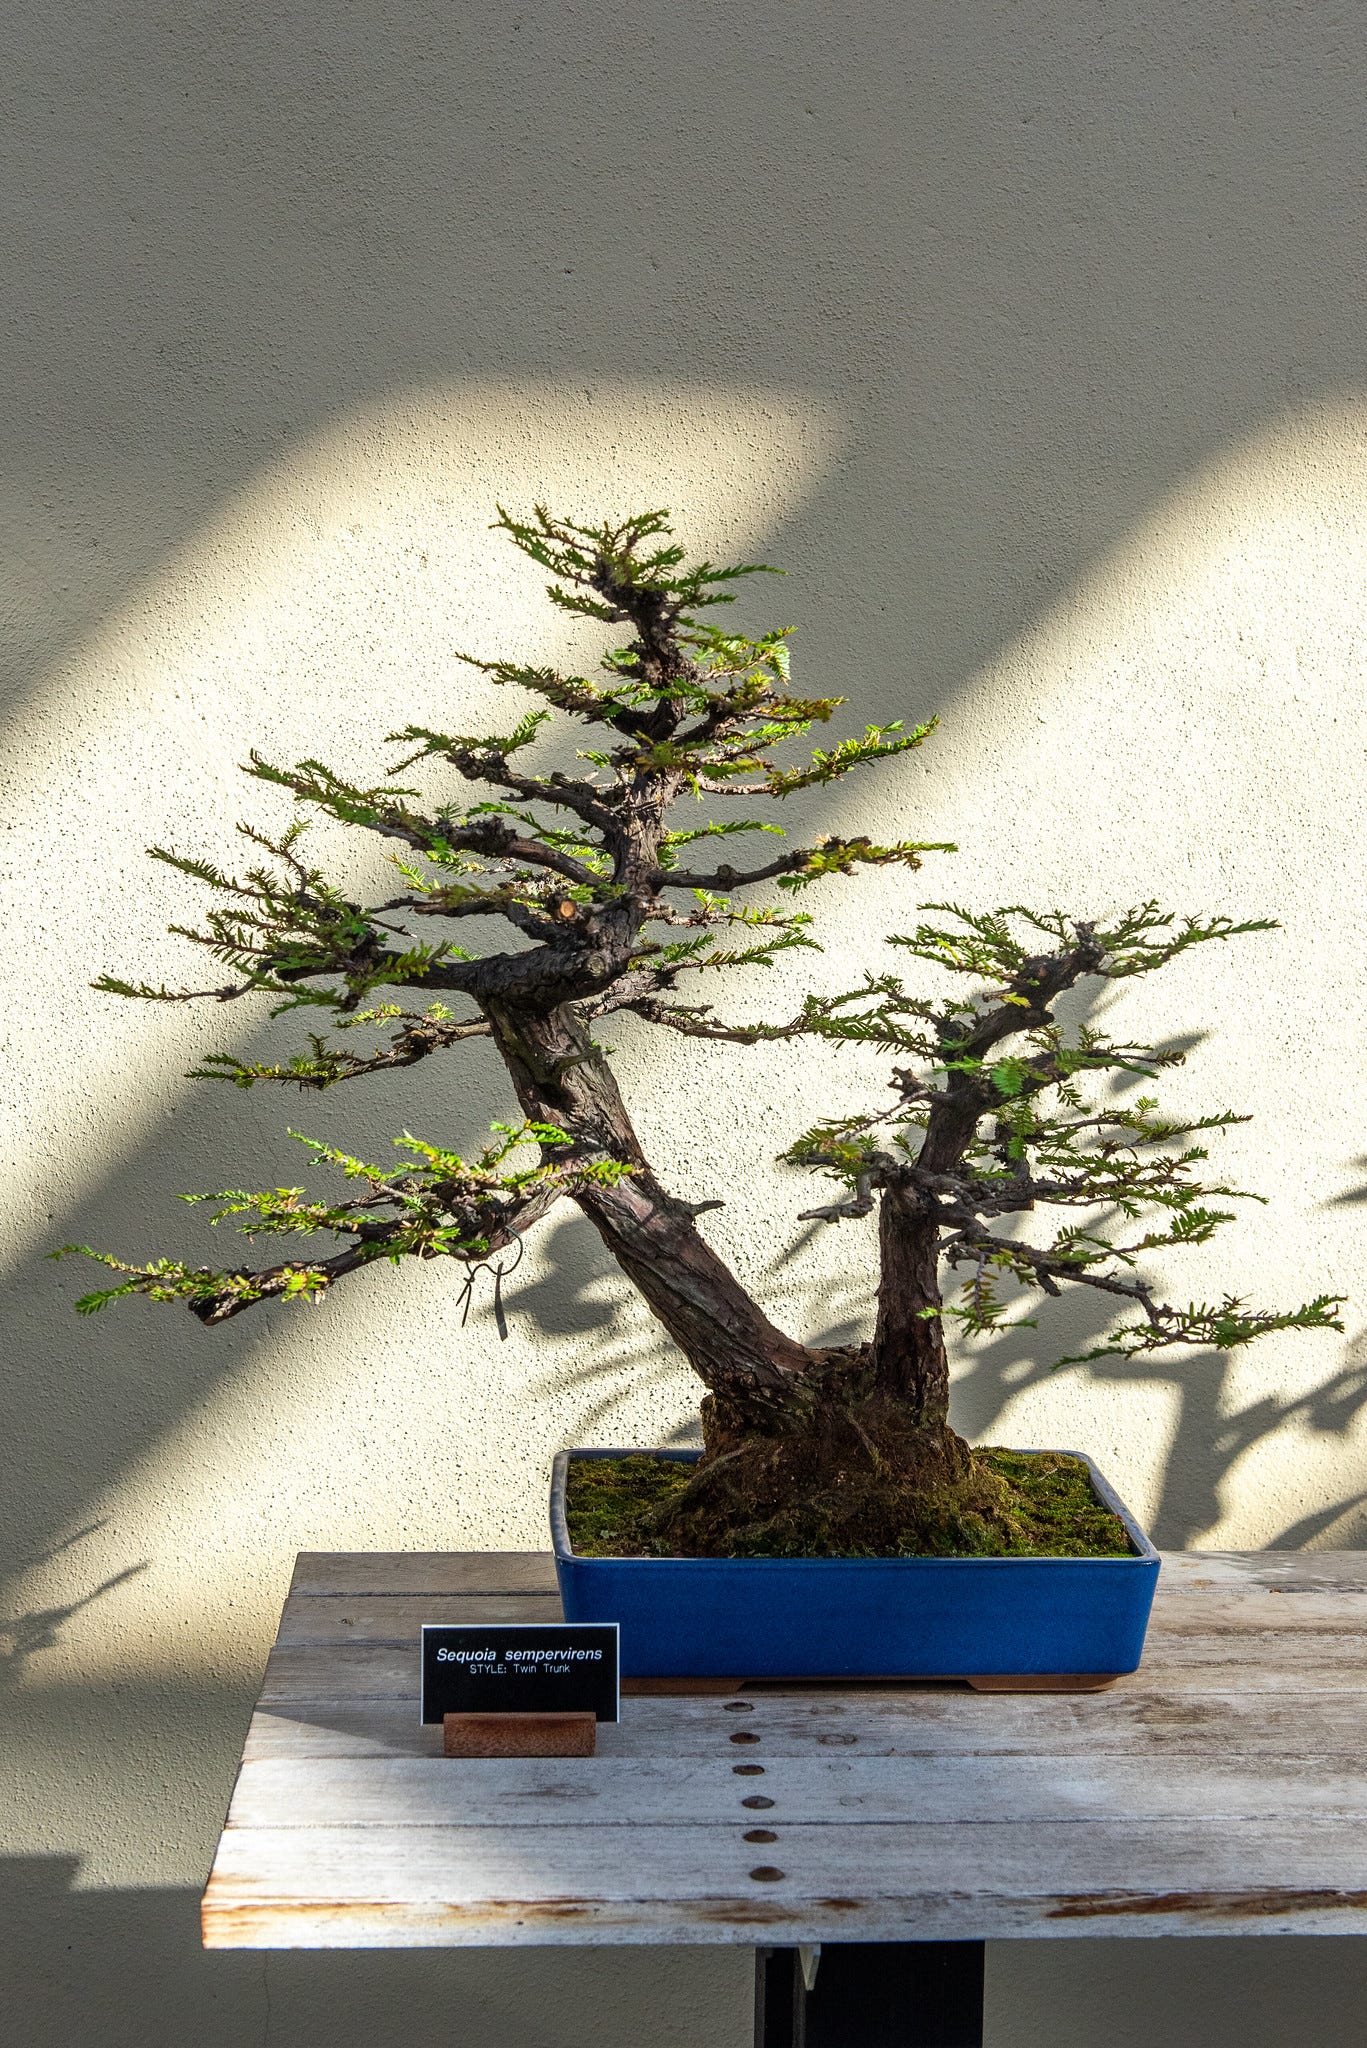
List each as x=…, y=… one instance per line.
x=992, y=1114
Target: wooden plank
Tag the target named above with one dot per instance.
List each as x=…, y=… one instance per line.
x=1258, y=1660
x=399, y=1617
x=332, y=1671
x=324, y=1572
x=1282, y=1610
x=1140, y=1723
x=363, y=1887
x=519, y=1791
x=323, y=1728
x=1282, y=1571
x=1261, y=1660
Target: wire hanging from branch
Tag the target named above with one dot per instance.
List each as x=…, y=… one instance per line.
x=467, y=1294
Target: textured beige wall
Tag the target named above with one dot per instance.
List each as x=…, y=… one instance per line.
x=1032, y=340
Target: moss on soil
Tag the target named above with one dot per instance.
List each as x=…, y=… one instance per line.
x=611, y=1503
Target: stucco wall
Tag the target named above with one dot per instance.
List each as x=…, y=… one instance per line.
x=1031, y=340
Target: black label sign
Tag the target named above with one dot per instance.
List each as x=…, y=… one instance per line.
x=520, y=1668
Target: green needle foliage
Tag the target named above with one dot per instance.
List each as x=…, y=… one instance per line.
x=996, y=1113
x=434, y=1205
x=999, y=1114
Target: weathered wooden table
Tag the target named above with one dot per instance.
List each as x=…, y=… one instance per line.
x=1221, y=1789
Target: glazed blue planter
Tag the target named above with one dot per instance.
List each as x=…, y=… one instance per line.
x=875, y=1617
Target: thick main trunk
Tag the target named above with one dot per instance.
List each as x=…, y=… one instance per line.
x=743, y=1358
x=807, y=1452
x=909, y=1360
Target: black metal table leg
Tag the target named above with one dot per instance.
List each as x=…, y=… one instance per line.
x=872, y=1994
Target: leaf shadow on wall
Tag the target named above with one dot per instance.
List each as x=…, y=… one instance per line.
x=25, y=1636
x=1056, y=268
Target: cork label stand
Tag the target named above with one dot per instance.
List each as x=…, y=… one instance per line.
x=494, y=1735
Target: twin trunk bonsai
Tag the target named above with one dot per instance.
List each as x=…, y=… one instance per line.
x=999, y=1151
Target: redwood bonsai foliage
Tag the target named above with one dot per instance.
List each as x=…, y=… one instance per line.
x=994, y=1113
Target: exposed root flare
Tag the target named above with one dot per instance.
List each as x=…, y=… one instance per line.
x=851, y=1473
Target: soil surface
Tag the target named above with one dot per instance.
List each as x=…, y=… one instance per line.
x=614, y=1505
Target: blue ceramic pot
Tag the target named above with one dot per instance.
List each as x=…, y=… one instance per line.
x=863, y=1617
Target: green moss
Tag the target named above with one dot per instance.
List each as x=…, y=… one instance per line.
x=1053, y=1500
x=1052, y=1511
x=608, y=1499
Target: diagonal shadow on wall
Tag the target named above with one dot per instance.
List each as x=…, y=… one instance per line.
x=1051, y=266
